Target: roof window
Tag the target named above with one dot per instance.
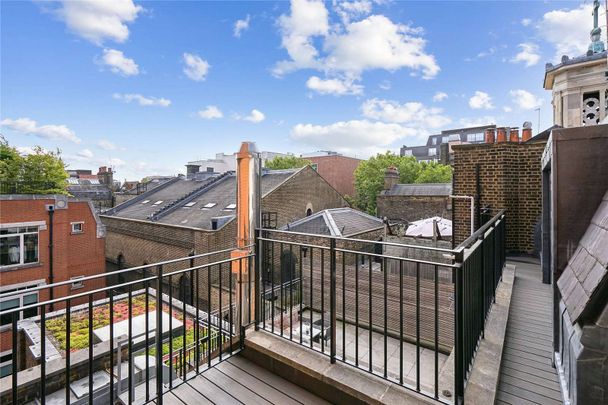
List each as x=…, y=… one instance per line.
x=230, y=207
x=209, y=205
x=145, y=201
x=158, y=202
x=190, y=204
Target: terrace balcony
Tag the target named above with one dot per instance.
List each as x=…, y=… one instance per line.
x=298, y=318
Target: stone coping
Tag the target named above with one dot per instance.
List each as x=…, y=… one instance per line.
x=483, y=382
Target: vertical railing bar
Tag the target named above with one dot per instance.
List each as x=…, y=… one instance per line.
x=90, y=349
x=220, y=315
x=369, y=310
x=111, y=304
x=68, y=345
x=43, y=353
x=251, y=272
x=147, y=309
x=171, y=366
x=290, y=291
x=417, y=326
x=311, y=297
x=401, y=322
x=301, y=277
x=383, y=269
x=436, y=332
x=14, y=364
x=209, y=306
x=272, y=287
x=130, y=344
x=184, y=289
x=159, y=335
x=322, y=302
x=240, y=304
x=332, y=300
x=458, y=329
x=259, y=301
x=281, y=290
x=357, y=309
x=197, y=323
x=343, y=306
x=230, y=313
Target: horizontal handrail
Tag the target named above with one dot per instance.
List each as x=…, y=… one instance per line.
x=481, y=231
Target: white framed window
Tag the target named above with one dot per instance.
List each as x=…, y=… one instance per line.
x=6, y=363
x=77, y=282
x=77, y=227
x=158, y=202
x=230, y=207
x=432, y=151
x=16, y=301
x=407, y=153
x=209, y=205
x=445, y=139
x=18, y=245
x=434, y=141
x=145, y=201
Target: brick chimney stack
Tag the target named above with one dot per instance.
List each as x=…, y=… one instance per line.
x=514, y=135
x=526, y=132
x=501, y=135
x=490, y=133
x=391, y=177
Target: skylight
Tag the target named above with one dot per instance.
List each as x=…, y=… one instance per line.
x=209, y=205
x=230, y=207
x=145, y=201
x=190, y=204
x=158, y=202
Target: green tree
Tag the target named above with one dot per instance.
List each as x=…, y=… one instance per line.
x=40, y=172
x=369, y=176
x=286, y=162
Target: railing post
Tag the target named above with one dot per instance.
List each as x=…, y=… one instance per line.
x=483, y=284
x=332, y=299
x=257, y=301
x=458, y=329
x=159, y=336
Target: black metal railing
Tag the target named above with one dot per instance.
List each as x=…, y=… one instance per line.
x=131, y=346
x=394, y=310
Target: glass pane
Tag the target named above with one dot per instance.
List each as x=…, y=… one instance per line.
x=30, y=299
x=6, y=231
x=10, y=250
x=6, y=370
x=30, y=245
x=28, y=313
x=8, y=304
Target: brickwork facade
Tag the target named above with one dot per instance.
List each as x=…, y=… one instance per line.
x=401, y=208
x=338, y=171
x=74, y=253
x=510, y=178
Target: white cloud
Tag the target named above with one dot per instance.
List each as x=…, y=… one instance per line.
x=568, y=30
x=107, y=145
x=440, y=96
x=348, y=49
x=210, y=112
x=97, y=21
x=412, y=113
x=337, y=87
x=525, y=100
x=85, y=153
x=29, y=126
x=141, y=100
x=360, y=137
x=507, y=109
x=477, y=122
x=28, y=150
x=385, y=85
x=481, y=100
x=348, y=10
x=526, y=21
x=196, y=68
x=240, y=26
x=528, y=54
x=119, y=63
x=254, y=116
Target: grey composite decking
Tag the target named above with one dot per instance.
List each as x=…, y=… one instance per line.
x=239, y=381
x=526, y=374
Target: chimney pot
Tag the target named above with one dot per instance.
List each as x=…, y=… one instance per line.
x=490, y=135
x=526, y=134
x=514, y=135
x=501, y=135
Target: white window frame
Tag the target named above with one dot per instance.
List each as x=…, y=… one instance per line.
x=434, y=152
x=445, y=139
x=76, y=231
x=21, y=242
x=407, y=152
x=20, y=286
x=6, y=363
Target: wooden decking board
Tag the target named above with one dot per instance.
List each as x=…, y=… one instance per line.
x=240, y=392
x=530, y=392
x=527, y=374
x=190, y=396
x=275, y=381
x=212, y=391
x=170, y=399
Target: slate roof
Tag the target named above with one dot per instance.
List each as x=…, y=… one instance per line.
x=587, y=271
x=429, y=189
x=184, y=200
x=336, y=222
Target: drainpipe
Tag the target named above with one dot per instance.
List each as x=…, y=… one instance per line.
x=472, y=199
x=51, y=211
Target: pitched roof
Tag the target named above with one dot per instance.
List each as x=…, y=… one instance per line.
x=429, y=189
x=586, y=273
x=336, y=222
x=193, y=203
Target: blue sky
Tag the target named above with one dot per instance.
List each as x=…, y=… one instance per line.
x=148, y=86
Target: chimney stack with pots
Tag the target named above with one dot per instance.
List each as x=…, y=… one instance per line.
x=391, y=177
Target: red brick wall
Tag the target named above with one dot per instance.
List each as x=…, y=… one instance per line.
x=510, y=177
x=73, y=255
x=338, y=171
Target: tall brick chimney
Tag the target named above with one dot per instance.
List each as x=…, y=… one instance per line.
x=391, y=177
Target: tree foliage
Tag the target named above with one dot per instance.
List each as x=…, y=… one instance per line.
x=369, y=176
x=40, y=172
x=286, y=162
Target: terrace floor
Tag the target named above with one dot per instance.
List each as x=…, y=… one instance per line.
x=527, y=375
x=239, y=381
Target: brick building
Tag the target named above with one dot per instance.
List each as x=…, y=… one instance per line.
x=508, y=174
x=188, y=215
x=337, y=169
x=77, y=250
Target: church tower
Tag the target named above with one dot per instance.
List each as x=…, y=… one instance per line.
x=580, y=85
